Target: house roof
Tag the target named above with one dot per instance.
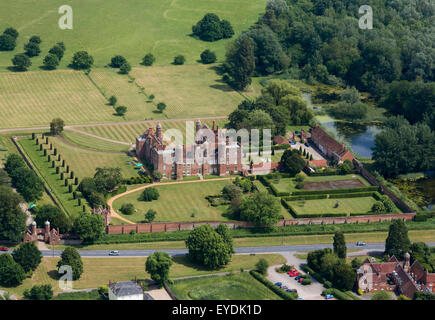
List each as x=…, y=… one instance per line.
x=280, y=140
x=328, y=142
x=125, y=288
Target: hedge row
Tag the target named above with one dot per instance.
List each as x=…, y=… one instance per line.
x=280, y=292
x=334, y=191
x=288, y=207
x=321, y=215
x=340, y=295
x=317, y=276
x=355, y=195
x=307, y=197
x=277, y=193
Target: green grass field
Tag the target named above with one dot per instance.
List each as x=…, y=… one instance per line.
x=128, y=132
x=85, y=141
x=188, y=91
x=346, y=205
x=98, y=271
x=239, y=286
x=108, y=27
x=178, y=203
x=34, y=98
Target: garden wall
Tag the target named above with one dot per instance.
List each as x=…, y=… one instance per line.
x=174, y=226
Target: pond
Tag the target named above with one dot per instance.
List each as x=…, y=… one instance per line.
x=361, y=138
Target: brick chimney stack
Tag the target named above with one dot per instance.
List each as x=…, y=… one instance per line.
x=159, y=131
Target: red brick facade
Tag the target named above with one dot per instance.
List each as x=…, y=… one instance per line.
x=50, y=236
x=221, y=156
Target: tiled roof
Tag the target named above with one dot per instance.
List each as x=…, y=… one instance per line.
x=126, y=288
x=280, y=140
x=328, y=142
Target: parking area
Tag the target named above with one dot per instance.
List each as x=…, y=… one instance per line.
x=311, y=150
x=308, y=292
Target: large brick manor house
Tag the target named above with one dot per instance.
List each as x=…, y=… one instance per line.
x=222, y=156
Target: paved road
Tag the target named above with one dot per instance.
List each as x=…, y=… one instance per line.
x=242, y=250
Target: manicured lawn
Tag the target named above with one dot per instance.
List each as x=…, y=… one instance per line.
x=346, y=205
x=98, y=271
x=34, y=98
x=93, y=143
x=240, y=286
x=414, y=235
x=108, y=27
x=129, y=132
x=188, y=91
x=178, y=203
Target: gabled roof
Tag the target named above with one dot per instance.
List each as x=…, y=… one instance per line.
x=125, y=288
x=328, y=142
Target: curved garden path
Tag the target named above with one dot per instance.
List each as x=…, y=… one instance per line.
x=113, y=213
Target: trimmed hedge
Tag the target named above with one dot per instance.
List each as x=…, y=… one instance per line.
x=320, y=215
x=334, y=191
x=277, y=193
x=353, y=195
x=278, y=291
x=340, y=295
x=307, y=197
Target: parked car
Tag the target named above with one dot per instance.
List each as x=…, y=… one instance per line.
x=284, y=287
x=360, y=243
x=329, y=296
x=278, y=284
x=114, y=253
x=293, y=274
x=300, y=298
x=307, y=144
x=4, y=249
x=301, y=279
x=298, y=277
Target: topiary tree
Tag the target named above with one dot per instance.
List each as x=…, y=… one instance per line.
x=21, y=62
x=71, y=257
x=51, y=61
x=339, y=245
x=208, y=57
x=158, y=265
x=82, y=60
x=179, y=60
x=148, y=60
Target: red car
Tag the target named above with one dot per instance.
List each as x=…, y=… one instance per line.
x=4, y=249
x=293, y=274
x=301, y=279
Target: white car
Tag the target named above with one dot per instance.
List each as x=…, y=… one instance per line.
x=114, y=253
x=360, y=243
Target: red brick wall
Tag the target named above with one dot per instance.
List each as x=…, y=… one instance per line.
x=174, y=226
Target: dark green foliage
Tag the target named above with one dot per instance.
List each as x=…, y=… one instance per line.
x=71, y=257
x=89, y=227
x=292, y=161
x=397, y=242
x=120, y=110
x=421, y=252
x=179, y=60
x=350, y=107
x=39, y=292
x=260, y=208
x=12, y=218
x=158, y=265
x=58, y=51
x=150, y=215
x=107, y=179
x=127, y=208
x=420, y=295
x=150, y=194
x=82, y=60
x=211, y=28
x=339, y=244
x=240, y=62
x=113, y=100
x=224, y=231
x=35, y=39
x=161, y=106
x=381, y=295
x=56, y=126
x=28, y=256
x=208, y=57
x=148, y=60
x=32, y=49
x=261, y=266
x=117, y=61
x=11, y=273
x=11, y=32
x=7, y=42
x=51, y=61
x=125, y=68
x=21, y=62
x=208, y=248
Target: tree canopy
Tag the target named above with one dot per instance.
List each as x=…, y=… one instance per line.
x=28, y=256
x=158, y=265
x=260, y=208
x=71, y=257
x=211, y=28
x=397, y=242
x=12, y=218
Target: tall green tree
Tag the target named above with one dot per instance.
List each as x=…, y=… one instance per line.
x=158, y=265
x=28, y=256
x=12, y=218
x=397, y=242
x=292, y=161
x=260, y=208
x=223, y=230
x=71, y=257
x=339, y=245
x=89, y=227
x=240, y=63
x=11, y=273
x=39, y=292
x=56, y=126
x=107, y=179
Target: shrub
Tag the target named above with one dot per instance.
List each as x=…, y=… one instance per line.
x=179, y=60
x=112, y=100
x=306, y=281
x=150, y=194
x=125, y=68
x=120, y=110
x=127, y=208
x=208, y=57
x=117, y=61
x=32, y=49
x=148, y=60
x=21, y=62
x=82, y=60
x=261, y=266
x=7, y=42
